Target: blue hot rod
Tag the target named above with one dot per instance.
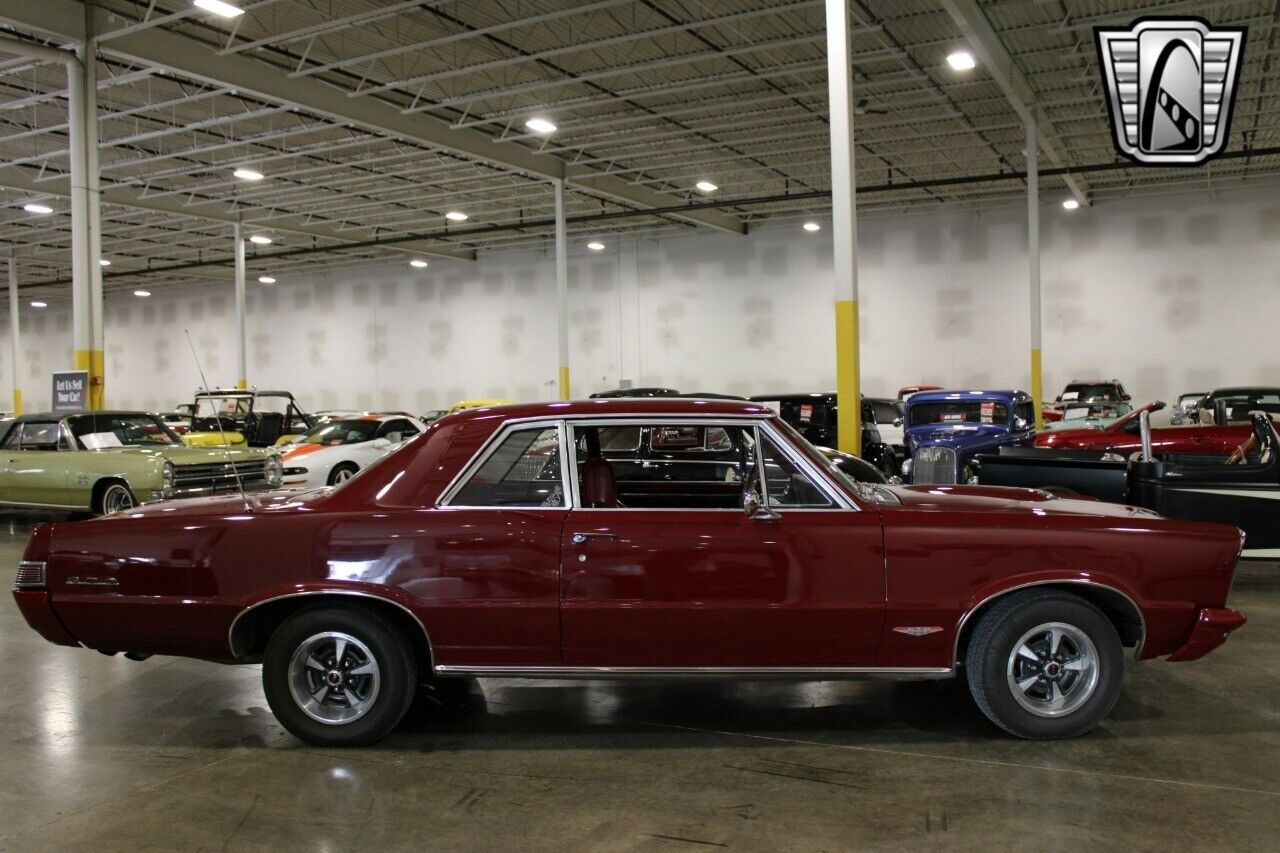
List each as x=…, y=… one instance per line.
x=945, y=430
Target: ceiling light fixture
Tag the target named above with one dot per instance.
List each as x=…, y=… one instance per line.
x=266, y=279
x=219, y=8
x=103, y=262
x=34, y=207
x=596, y=246
x=1070, y=204
x=246, y=174
x=36, y=303
x=143, y=293
x=541, y=125
x=706, y=186
x=418, y=264
x=260, y=239
x=456, y=216
x=812, y=226
x=962, y=60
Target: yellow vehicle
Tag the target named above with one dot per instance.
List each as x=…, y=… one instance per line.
x=476, y=404
x=246, y=418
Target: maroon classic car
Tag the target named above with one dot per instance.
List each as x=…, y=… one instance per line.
x=1123, y=436
x=654, y=538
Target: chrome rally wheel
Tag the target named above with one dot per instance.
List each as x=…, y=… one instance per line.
x=334, y=678
x=1044, y=664
x=339, y=674
x=1053, y=669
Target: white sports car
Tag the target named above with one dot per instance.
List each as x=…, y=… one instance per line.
x=335, y=451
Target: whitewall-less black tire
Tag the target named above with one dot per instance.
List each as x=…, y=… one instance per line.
x=1045, y=664
x=338, y=675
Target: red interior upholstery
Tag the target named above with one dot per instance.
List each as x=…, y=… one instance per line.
x=599, y=485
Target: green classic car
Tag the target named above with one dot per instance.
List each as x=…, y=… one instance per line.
x=104, y=462
x=1092, y=415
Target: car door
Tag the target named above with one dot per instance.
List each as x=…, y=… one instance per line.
x=676, y=582
x=37, y=464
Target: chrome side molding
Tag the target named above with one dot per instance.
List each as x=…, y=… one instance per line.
x=813, y=673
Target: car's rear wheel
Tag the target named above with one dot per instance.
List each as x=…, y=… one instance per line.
x=338, y=676
x=341, y=473
x=1044, y=664
x=115, y=497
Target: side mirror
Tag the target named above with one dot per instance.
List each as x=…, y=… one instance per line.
x=897, y=422
x=1020, y=424
x=380, y=443
x=755, y=508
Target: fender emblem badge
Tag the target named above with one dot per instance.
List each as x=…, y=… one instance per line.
x=918, y=630
x=76, y=580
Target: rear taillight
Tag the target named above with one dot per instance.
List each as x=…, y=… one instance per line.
x=30, y=575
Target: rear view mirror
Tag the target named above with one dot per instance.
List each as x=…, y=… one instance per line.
x=897, y=422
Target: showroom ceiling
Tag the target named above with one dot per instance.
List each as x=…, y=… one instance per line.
x=370, y=121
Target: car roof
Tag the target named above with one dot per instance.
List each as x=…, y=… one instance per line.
x=620, y=407
x=952, y=395
x=1244, y=389
x=57, y=416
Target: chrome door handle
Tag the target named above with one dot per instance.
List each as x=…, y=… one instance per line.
x=581, y=538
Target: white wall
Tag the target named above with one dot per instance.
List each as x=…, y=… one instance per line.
x=1168, y=294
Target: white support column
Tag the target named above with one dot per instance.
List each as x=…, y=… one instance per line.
x=242, y=375
x=1033, y=255
x=844, y=227
x=93, y=226
x=13, y=334
x=81, y=298
x=562, y=291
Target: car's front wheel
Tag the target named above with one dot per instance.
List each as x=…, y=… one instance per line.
x=338, y=676
x=341, y=473
x=1044, y=664
x=115, y=497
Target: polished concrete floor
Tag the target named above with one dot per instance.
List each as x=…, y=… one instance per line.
x=104, y=753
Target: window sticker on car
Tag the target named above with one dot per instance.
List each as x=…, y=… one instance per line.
x=99, y=440
x=949, y=417
x=806, y=412
x=987, y=411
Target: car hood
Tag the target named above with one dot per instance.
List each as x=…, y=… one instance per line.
x=1007, y=499
x=954, y=435
x=181, y=454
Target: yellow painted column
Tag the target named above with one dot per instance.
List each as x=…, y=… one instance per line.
x=564, y=383
x=97, y=380
x=844, y=227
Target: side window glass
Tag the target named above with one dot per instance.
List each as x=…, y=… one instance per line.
x=663, y=466
x=12, y=440
x=41, y=436
x=523, y=471
x=788, y=485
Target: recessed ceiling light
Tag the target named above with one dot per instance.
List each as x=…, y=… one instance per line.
x=706, y=186
x=36, y=303
x=247, y=174
x=541, y=125
x=35, y=207
x=812, y=226
x=219, y=8
x=266, y=279
x=1070, y=204
x=143, y=293
x=961, y=60
x=596, y=246
x=103, y=262
x=418, y=263
x=456, y=216
x=260, y=239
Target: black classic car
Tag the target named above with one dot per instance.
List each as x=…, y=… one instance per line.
x=1234, y=405
x=1242, y=489
x=814, y=417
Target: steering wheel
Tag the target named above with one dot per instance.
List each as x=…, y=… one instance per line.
x=1239, y=455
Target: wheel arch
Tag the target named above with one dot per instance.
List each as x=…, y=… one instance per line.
x=252, y=627
x=1118, y=606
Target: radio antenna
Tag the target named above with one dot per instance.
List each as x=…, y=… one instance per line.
x=217, y=418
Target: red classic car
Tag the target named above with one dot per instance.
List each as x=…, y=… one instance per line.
x=713, y=540
x=1123, y=436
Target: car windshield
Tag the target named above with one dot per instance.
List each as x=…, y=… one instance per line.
x=1096, y=410
x=958, y=412
x=342, y=432
x=870, y=492
x=228, y=407
x=1082, y=391
x=1238, y=405
x=94, y=432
